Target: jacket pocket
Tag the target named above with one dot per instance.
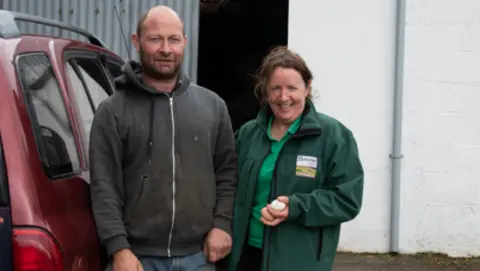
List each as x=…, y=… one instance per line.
x=244, y=179
x=320, y=244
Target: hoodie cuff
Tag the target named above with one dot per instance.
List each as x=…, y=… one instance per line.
x=115, y=243
x=223, y=224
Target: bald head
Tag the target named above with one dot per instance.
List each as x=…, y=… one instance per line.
x=160, y=15
x=160, y=41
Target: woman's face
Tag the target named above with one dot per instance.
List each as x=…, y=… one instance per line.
x=286, y=94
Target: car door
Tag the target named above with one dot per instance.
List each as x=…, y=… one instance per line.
x=63, y=194
x=89, y=76
x=60, y=119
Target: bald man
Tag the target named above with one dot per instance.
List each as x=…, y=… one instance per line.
x=163, y=163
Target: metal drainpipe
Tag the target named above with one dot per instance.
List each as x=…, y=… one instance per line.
x=397, y=155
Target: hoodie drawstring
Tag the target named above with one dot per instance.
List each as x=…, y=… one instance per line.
x=152, y=122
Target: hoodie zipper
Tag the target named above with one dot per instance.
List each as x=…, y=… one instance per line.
x=169, y=252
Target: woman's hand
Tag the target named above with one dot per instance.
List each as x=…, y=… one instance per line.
x=271, y=217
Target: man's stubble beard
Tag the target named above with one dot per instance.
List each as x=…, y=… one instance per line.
x=150, y=71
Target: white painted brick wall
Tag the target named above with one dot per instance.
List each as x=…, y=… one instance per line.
x=441, y=173
x=349, y=45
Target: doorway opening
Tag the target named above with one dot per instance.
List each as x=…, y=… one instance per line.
x=234, y=37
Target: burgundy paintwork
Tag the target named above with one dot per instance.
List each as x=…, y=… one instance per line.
x=61, y=207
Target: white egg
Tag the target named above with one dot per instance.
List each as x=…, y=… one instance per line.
x=277, y=205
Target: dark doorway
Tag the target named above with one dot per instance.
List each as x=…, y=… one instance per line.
x=234, y=37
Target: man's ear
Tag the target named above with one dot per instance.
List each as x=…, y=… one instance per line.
x=136, y=41
x=185, y=40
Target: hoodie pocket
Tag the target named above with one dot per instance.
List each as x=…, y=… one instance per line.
x=131, y=209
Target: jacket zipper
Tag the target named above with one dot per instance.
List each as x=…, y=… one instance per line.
x=251, y=202
x=169, y=252
x=273, y=195
x=274, y=187
x=245, y=242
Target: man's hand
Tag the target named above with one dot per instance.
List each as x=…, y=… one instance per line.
x=217, y=245
x=125, y=260
x=272, y=218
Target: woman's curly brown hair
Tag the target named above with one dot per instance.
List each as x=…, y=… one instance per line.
x=280, y=57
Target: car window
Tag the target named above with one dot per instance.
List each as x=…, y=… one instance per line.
x=95, y=79
x=48, y=113
x=85, y=104
x=90, y=86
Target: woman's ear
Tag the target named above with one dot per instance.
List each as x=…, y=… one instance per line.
x=309, y=87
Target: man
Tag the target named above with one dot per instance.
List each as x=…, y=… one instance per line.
x=163, y=163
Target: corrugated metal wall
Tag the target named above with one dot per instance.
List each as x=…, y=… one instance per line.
x=100, y=17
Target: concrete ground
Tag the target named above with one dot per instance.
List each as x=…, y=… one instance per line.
x=419, y=262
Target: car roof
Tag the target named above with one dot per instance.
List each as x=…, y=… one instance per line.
x=9, y=26
x=11, y=35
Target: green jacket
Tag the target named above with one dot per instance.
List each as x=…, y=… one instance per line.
x=321, y=197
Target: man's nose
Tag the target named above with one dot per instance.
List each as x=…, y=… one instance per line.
x=165, y=47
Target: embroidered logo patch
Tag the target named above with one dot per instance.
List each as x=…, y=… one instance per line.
x=306, y=166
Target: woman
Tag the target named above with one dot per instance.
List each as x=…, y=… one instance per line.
x=308, y=161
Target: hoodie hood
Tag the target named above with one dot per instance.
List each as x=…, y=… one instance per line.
x=131, y=80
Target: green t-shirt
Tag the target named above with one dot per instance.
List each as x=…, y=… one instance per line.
x=264, y=183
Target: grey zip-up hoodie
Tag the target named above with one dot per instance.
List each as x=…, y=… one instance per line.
x=163, y=167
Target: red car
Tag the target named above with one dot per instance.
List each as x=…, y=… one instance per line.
x=49, y=90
